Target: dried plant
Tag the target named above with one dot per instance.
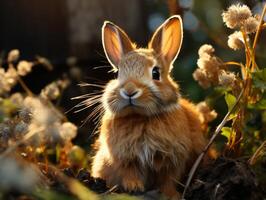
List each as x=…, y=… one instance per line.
x=244, y=92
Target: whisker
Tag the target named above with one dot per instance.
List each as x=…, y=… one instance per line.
x=102, y=66
x=91, y=84
x=85, y=96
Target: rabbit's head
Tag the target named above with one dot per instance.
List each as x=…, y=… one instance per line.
x=143, y=85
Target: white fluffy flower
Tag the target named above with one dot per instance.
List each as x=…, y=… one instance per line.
x=68, y=131
x=24, y=67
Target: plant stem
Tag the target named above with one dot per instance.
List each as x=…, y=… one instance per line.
x=252, y=160
x=261, y=25
x=233, y=63
x=25, y=87
x=203, y=153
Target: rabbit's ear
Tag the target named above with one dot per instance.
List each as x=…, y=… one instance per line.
x=115, y=42
x=167, y=39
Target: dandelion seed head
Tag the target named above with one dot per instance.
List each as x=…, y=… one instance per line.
x=13, y=55
x=236, y=15
x=206, y=49
x=51, y=91
x=17, y=99
x=24, y=67
x=41, y=114
x=208, y=63
x=11, y=76
x=236, y=40
x=200, y=75
x=226, y=78
x=68, y=131
x=208, y=114
x=251, y=25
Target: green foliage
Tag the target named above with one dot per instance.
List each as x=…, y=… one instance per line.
x=226, y=132
x=44, y=194
x=259, y=79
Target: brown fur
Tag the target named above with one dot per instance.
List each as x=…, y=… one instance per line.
x=154, y=141
x=172, y=141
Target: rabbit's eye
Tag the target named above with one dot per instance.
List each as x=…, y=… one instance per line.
x=156, y=73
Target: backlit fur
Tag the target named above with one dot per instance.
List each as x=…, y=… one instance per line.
x=152, y=143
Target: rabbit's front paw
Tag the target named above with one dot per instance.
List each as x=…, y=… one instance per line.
x=132, y=184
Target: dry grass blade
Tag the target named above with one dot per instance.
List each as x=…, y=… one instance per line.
x=257, y=153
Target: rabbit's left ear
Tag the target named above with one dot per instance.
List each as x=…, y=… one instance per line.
x=115, y=42
x=167, y=39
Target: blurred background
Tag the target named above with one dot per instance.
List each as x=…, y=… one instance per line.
x=68, y=34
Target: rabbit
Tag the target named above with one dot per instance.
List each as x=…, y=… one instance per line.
x=149, y=135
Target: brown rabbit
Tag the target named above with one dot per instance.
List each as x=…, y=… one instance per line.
x=149, y=135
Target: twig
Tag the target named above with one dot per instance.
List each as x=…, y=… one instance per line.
x=112, y=189
x=24, y=86
x=233, y=63
x=261, y=25
x=216, y=133
x=252, y=160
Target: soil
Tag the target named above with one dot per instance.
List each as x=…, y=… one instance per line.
x=223, y=179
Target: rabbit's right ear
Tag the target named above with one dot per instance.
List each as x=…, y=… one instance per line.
x=167, y=39
x=115, y=42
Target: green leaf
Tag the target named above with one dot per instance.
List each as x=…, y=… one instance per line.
x=226, y=132
x=260, y=105
x=230, y=100
x=259, y=79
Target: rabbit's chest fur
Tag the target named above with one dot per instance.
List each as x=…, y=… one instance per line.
x=150, y=140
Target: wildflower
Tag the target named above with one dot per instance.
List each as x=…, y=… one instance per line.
x=201, y=76
x=11, y=77
x=17, y=99
x=13, y=55
x=251, y=25
x=62, y=84
x=42, y=115
x=209, y=65
x=45, y=62
x=68, y=131
x=24, y=67
x=207, y=114
x=206, y=49
x=4, y=87
x=51, y=91
x=236, y=15
x=226, y=78
x=236, y=40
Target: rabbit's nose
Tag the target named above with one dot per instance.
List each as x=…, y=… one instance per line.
x=130, y=94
